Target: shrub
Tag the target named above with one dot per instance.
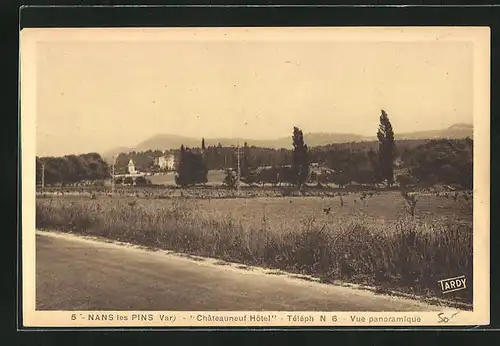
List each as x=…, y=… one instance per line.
x=141, y=181
x=229, y=179
x=405, y=180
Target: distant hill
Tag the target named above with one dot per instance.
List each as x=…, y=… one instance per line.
x=169, y=141
x=452, y=132
x=108, y=156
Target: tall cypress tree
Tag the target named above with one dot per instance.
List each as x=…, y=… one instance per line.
x=191, y=169
x=387, y=149
x=245, y=161
x=198, y=168
x=300, y=159
x=182, y=177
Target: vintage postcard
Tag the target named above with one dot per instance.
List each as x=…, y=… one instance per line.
x=213, y=177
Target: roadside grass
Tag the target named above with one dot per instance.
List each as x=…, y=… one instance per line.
x=401, y=253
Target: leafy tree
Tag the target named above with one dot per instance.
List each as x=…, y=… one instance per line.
x=121, y=163
x=324, y=177
x=365, y=176
x=374, y=165
x=97, y=168
x=251, y=178
x=387, y=149
x=405, y=180
x=286, y=175
x=313, y=177
x=38, y=171
x=71, y=169
x=442, y=161
x=300, y=159
x=341, y=179
x=273, y=176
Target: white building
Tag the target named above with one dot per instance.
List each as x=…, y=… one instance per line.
x=131, y=167
x=166, y=162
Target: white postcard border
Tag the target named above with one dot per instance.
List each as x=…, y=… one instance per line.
x=480, y=36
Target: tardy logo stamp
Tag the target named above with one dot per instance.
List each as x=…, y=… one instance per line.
x=453, y=284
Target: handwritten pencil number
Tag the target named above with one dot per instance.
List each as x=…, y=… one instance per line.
x=445, y=319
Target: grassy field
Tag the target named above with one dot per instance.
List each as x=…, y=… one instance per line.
x=372, y=241
x=214, y=178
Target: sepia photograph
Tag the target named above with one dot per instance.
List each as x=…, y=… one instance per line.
x=255, y=176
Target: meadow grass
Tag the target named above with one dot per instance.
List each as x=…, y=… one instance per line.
x=371, y=243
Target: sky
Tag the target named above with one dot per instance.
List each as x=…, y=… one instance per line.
x=94, y=95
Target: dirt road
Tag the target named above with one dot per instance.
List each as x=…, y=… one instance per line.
x=74, y=273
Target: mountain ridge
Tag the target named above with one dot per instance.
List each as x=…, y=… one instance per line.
x=170, y=141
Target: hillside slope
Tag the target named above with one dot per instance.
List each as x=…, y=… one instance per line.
x=169, y=141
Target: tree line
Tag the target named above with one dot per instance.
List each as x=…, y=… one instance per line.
x=192, y=171
x=219, y=157
x=424, y=162
x=71, y=169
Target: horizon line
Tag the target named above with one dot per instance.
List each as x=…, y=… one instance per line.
x=103, y=153
x=365, y=137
